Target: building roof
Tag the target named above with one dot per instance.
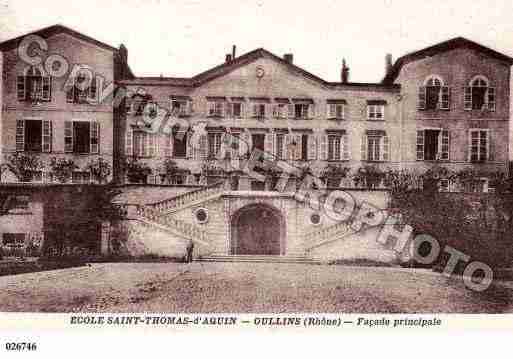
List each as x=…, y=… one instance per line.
x=226, y=67
x=455, y=43
x=52, y=30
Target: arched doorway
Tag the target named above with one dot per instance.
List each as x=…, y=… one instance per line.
x=257, y=229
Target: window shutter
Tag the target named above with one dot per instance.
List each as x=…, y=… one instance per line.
x=190, y=109
x=363, y=149
x=203, y=147
x=468, y=98
x=242, y=109
x=68, y=136
x=167, y=144
x=385, y=148
x=47, y=88
x=129, y=141
x=70, y=90
x=323, y=147
x=444, y=145
x=20, y=85
x=298, y=140
x=244, y=143
x=290, y=111
x=445, y=100
x=20, y=135
x=345, y=147
x=469, y=146
x=269, y=146
x=490, y=98
x=330, y=110
x=94, y=137
x=255, y=110
x=490, y=148
x=47, y=136
x=421, y=105
x=420, y=145
x=312, y=147
x=93, y=90
x=311, y=111
x=276, y=111
x=189, y=146
x=229, y=109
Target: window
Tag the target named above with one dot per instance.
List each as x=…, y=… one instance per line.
x=83, y=89
x=179, y=107
x=145, y=144
x=214, y=143
x=336, y=111
x=34, y=86
x=33, y=135
x=479, y=145
x=301, y=110
x=81, y=136
x=280, y=146
x=337, y=147
x=179, y=145
x=304, y=147
x=13, y=239
x=18, y=203
x=433, y=145
x=259, y=110
x=215, y=108
x=280, y=110
x=433, y=95
x=479, y=95
x=234, y=109
x=375, y=146
x=375, y=112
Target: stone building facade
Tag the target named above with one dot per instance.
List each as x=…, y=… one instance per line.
x=443, y=106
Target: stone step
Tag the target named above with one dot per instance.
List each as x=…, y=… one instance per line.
x=257, y=259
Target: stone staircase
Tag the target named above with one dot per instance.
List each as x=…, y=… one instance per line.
x=326, y=235
x=257, y=259
x=188, y=199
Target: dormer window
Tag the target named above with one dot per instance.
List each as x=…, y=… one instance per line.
x=479, y=95
x=34, y=85
x=434, y=95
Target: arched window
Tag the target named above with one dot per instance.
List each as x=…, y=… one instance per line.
x=479, y=95
x=434, y=95
x=34, y=85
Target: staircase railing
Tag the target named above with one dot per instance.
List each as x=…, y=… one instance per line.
x=184, y=199
x=326, y=235
x=186, y=229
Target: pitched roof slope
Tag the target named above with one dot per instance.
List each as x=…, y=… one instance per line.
x=455, y=43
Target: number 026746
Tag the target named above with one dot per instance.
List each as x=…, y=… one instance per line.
x=22, y=346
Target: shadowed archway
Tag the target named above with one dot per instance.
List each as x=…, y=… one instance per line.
x=257, y=229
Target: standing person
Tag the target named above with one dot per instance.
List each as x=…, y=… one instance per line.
x=189, y=249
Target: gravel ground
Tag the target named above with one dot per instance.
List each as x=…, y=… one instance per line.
x=244, y=287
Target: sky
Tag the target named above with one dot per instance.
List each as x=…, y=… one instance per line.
x=183, y=38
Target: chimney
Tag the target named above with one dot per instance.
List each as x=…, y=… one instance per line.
x=289, y=58
x=388, y=63
x=344, y=74
x=228, y=58
x=123, y=53
x=234, y=49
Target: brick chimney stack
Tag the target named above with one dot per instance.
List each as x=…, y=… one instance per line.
x=234, y=49
x=388, y=64
x=289, y=58
x=344, y=73
x=228, y=58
